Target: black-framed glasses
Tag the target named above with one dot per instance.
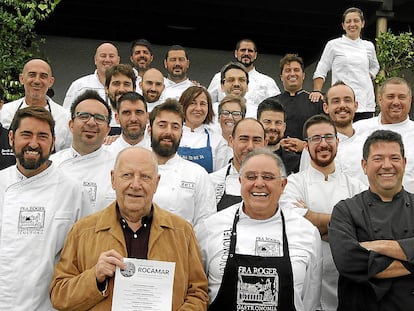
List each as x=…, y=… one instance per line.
x=235, y=114
x=316, y=139
x=86, y=116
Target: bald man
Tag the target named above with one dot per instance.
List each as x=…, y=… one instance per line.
x=37, y=78
x=152, y=86
x=106, y=56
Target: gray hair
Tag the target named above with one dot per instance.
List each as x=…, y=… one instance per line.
x=269, y=153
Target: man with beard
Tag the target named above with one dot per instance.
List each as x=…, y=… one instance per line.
x=141, y=59
x=316, y=190
x=248, y=134
x=106, y=56
x=152, y=86
x=87, y=161
x=176, y=63
x=39, y=203
x=341, y=107
x=185, y=188
x=132, y=116
x=272, y=116
x=119, y=80
x=261, y=86
x=295, y=101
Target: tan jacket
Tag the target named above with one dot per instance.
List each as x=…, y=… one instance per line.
x=171, y=239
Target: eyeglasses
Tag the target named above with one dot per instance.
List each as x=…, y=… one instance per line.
x=252, y=176
x=316, y=139
x=235, y=114
x=86, y=116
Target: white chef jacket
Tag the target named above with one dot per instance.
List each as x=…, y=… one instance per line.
x=93, y=171
x=222, y=184
x=174, y=90
x=59, y=114
x=185, y=189
x=304, y=249
x=89, y=82
x=406, y=130
x=198, y=139
x=36, y=214
x=353, y=62
x=321, y=196
x=348, y=157
x=120, y=144
x=260, y=85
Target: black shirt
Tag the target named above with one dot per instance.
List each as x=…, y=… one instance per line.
x=298, y=109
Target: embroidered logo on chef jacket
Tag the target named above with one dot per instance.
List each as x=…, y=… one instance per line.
x=31, y=220
x=91, y=188
x=266, y=247
x=187, y=185
x=257, y=288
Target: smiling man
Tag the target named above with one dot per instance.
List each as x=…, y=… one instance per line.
x=37, y=78
x=87, y=161
x=152, y=86
x=39, y=203
x=317, y=189
x=394, y=98
x=134, y=227
x=132, y=117
x=257, y=256
x=105, y=57
x=119, y=80
x=371, y=244
x=185, y=188
x=295, y=101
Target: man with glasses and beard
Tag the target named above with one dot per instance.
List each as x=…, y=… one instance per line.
x=39, y=203
x=185, y=188
x=316, y=190
x=272, y=116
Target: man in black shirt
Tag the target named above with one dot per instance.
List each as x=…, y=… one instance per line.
x=295, y=101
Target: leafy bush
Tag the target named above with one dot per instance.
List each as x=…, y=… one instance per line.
x=395, y=54
x=18, y=40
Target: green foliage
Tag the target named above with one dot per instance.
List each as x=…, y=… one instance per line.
x=18, y=40
x=395, y=54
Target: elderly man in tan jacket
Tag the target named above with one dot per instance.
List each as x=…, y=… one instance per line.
x=133, y=226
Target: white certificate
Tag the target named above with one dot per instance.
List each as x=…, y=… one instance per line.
x=144, y=285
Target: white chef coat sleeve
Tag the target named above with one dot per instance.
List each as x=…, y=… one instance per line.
x=70, y=95
x=373, y=61
x=220, y=153
x=214, y=87
x=325, y=63
x=293, y=192
x=205, y=202
x=311, y=291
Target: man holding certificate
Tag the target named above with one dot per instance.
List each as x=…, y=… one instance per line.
x=134, y=227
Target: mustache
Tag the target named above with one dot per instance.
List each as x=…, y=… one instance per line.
x=28, y=148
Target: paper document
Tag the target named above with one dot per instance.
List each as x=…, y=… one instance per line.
x=144, y=285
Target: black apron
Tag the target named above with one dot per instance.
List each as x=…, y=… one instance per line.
x=255, y=282
x=227, y=200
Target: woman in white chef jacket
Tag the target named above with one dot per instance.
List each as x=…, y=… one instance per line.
x=198, y=144
x=353, y=61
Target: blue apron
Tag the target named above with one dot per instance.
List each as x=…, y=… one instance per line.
x=201, y=156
